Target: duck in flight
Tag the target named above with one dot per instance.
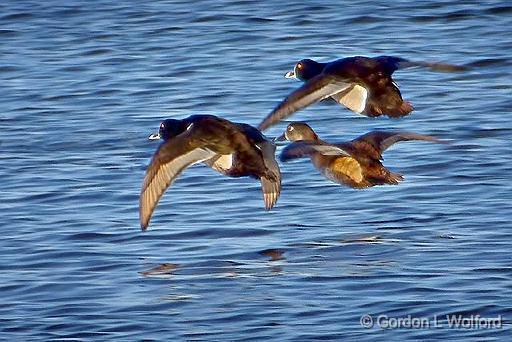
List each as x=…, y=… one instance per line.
x=362, y=84
x=233, y=149
x=356, y=163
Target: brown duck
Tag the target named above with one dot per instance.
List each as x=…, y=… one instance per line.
x=233, y=149
x=356, y=163
x=362, y=84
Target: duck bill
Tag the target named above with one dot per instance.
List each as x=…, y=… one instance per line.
x=290, y=74
x=154, y=136
x=282, y=137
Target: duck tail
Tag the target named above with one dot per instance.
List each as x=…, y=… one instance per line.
x=394, y=178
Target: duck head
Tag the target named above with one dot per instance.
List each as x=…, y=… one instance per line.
x=305, y=70
x=298, y=131
x=168, y=129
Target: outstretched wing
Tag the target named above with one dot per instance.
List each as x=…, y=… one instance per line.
x=301, y=149
x=271, y=183
x=392, y=63
x=316, y=89
x=376, y=142
x=171, y=158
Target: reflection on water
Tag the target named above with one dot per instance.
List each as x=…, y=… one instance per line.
x=160, y=270
x=273, y=254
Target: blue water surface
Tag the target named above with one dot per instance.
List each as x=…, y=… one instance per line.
x=84, y=83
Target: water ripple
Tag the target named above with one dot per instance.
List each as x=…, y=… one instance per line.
x=83, y=87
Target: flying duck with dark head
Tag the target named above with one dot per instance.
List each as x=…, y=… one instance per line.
x=356, y=163
x=233, y=149
x=362, y=84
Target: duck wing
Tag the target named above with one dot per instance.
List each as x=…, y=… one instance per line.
x=305, y=148
x=271, y=181
x=317, y=88
x=376, y=142
x=169, y=161
x=392, y=63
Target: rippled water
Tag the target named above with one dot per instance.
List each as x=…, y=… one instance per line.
x=84, y=83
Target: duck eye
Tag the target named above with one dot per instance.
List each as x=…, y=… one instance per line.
x=299, y=66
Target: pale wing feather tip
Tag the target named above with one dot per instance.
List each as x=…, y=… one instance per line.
x=271, y=191
x=156, y=182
